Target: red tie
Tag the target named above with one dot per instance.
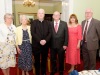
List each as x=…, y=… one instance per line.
x=85, y=32
x=56, y=27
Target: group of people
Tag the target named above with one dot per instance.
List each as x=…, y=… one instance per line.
x=61, y=38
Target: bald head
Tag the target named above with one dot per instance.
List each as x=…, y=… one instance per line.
x=41, y=14
x=56, y=15
x=88, y=14
x=41, y=10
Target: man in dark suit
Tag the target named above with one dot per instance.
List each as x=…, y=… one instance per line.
x=41, y=34
x=90, y=43
x=59, y=42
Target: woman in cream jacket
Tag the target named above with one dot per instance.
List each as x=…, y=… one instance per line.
x=24, y=46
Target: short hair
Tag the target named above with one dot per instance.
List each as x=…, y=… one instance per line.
x=73, y=16
x=56, y=12
x=21, y=16
x=7, y=14
x=89, y=10
x=41, y=10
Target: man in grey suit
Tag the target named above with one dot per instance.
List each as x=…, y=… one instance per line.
x=59, y=42
x=91, y=37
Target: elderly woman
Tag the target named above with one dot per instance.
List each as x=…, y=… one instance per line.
x=24, y=46
x=7, y=44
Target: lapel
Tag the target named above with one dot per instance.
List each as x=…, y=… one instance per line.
x=28, y=27
x=91, y=24
x=5, y=29
x=52, y=25
x=59, y=27
x=21, y=32
x=83, y=25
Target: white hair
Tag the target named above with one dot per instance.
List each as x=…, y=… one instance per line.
x=23, y=16
x=89, y=10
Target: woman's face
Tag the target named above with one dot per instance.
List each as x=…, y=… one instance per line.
x=24, y=21
x=9, y=20
x=72, y=20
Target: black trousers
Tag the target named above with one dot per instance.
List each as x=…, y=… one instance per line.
x=40, y=56
x=54, y=54
x=89, y=57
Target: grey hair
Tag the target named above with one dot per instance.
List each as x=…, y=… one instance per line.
x=7, y=14
x=21, y=16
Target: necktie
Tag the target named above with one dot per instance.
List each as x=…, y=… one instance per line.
x=85, y=32
x=56, y=27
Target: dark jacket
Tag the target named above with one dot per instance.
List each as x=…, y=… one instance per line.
x=59, y=39
x=40, y=31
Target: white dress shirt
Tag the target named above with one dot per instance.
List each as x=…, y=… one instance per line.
x=88, y=24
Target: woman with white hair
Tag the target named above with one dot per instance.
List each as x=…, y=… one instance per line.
x=7, y=44
x=24, y=45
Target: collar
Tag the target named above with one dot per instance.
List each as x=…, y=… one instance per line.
x=40, y=20
x=89, y=20
x=57, y=22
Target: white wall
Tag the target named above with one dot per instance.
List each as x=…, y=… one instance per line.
x=5, y=7
x=80, y=6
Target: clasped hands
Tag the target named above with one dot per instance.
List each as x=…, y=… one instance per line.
x=43, y=42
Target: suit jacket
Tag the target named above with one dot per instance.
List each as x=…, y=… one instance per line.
x=59, y=39
x=93, y=34
x=19, y=34
x=39, y=33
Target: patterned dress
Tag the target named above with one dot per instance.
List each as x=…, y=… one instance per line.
x=72, y=53
x=25, y=58
x=7, y=50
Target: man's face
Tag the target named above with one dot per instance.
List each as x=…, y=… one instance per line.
x=88, y=14
x=56, y=16
x=40, y=14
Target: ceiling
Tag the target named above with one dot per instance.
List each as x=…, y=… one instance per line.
x=42, y=0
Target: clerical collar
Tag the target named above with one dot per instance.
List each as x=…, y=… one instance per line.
x=41, y=20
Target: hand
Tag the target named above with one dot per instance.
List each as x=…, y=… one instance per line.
x=78, y=46
x=43, y=42
x=64, y=47
x=19, y=51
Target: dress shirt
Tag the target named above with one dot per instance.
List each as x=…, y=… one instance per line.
x=88, y=24
x=57, y=23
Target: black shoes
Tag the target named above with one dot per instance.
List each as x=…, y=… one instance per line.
x=60, y=73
